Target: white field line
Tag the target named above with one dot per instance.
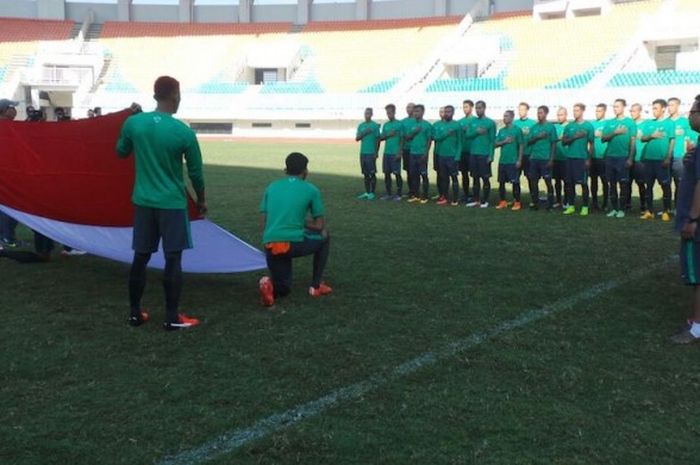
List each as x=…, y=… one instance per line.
x=234, y=439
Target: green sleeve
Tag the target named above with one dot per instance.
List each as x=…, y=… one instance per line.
x=317, y=209
x=553, y=137
x=357, y=133
x=124, y=145
x=492, y=139
x=193, y=158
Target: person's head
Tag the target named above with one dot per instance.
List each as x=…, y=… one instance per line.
x=600, y=110
x=297, y=165
x=658, y=108
x=390, y=111
x=441, y=113
x=59, y=113
x=674, y=106
x=523, y=110
x=418, y=111
x=91, y=113
x=694, y=115
x=467, y=107
x=368, y=114
x=448, y=112
x=508, y=117
x=409, y=109
x=480, y=108
x=166, y=91
x=619, y=107
x=7, y=109
x=636, y=111
x=562, y=115
x=98, y=111
x=542, y=112
x=579, y=111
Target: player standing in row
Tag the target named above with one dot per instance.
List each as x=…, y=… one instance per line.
x=559, y=168
x=658, y=135
x=510, y=141
x=543, y=145
x=467, y=107
x=436, y=153
x=448, y=144
x=638, y=174
x=392, y=136
x=525, y=124
x=482, y=133
x=684, y=143
x=597, y=170
x=620, y=134
x=420, y=136
x=406, y=147
x=368, y=136
x=578, y=138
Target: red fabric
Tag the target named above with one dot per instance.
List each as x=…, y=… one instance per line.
x=68, y=171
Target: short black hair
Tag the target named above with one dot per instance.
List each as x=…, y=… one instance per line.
x=544, y=107
x=296, y=163
x=419, y=106
x=468, y=102
x=581, y=106
x=481, y=102
x=674, y=99
x=450, y=107
x=510, y=113
x=622, y=101
x=391, y=106
x=661, y=102
x=602, y=105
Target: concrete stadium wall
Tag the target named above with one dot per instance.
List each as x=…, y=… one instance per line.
x=154, y=13
x=215, y=14
x=332, y=12
x=19, y=9
x=402, y=9
x=274, y=13
x=103, y=11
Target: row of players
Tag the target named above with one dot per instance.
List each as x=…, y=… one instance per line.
x=615, y=151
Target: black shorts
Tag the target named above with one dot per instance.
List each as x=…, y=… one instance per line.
x=616, y=169
x=576, y=172
x=525, y=168
x=464, y=162
x=480, y=166
x=598, y=168
x=448, y=166
x=507, y=172
x=419, y=165
x=406, y=158
x=639, y=173
x=559, y=170
x=655, y=171
x=690, y=261
x=390, y=165
x=539, y=169
x=368, y=165
x=152, y=224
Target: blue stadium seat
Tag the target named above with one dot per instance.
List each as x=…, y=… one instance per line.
x=380, y=87
x=655, y=78
x=467, y=85
x=309, y=87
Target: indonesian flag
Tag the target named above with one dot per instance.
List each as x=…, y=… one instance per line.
x=64, y=180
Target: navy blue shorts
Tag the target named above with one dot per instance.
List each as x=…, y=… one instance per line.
x=152, y=224
x=436, y=161
x=368, y=165
x=539, y=169
x=464, y=162
x=639, y=173
x=616, y=169
x=598, y=168
x=419, y=164
x=406, y=159
x=656, y=172
x=559, y=170
x=480, y=166
x=448, y=166
x=507, y=172
x=390, y=165
x=576, y=172
x=677, y=169
x=690, y=261
x=525, y=168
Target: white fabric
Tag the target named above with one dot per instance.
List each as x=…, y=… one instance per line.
x=215, y=249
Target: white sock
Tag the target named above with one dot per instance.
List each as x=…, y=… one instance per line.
x=695, y=329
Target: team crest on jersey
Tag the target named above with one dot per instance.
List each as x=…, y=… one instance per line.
x=157, y=119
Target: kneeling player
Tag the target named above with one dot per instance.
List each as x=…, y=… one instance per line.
x=510, y=141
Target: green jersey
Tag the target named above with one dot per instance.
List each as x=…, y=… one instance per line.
x=159, y=143
x=560, y=155
x=464, y=124
x=599, y=147
x=682, y=134
x=420, y=143
x=369, y=143
x=392, y=132
x=657, y=149
x=482, y=142
x=578, y=149
x=286, y=203
x=448, y=139
x=406, y=125
x=511, y=150
x=542, y=149
x=525, y=125
x=619, y=145
x=639, y=144
x=436, y=127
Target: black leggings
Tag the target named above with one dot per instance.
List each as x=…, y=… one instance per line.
x=172, y=283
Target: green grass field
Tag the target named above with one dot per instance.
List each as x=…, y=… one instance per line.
x=596, y=383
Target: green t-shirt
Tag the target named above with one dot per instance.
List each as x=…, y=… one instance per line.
x=406, y=125
x=421, y=141
x=510, y=151
x=542, y=149
x=436, y=127
x=560, y=155
x=448, y=145
x=657, y=149
x=482, y=144
x=159, y=143
x=639, y=144
x=286, y=203
x=525, y=125
x=368, y=144
x=392, y=144
x=682, y=134
x=619, y=145
x=464, y=124
x=578, y=149
x=599, y=146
